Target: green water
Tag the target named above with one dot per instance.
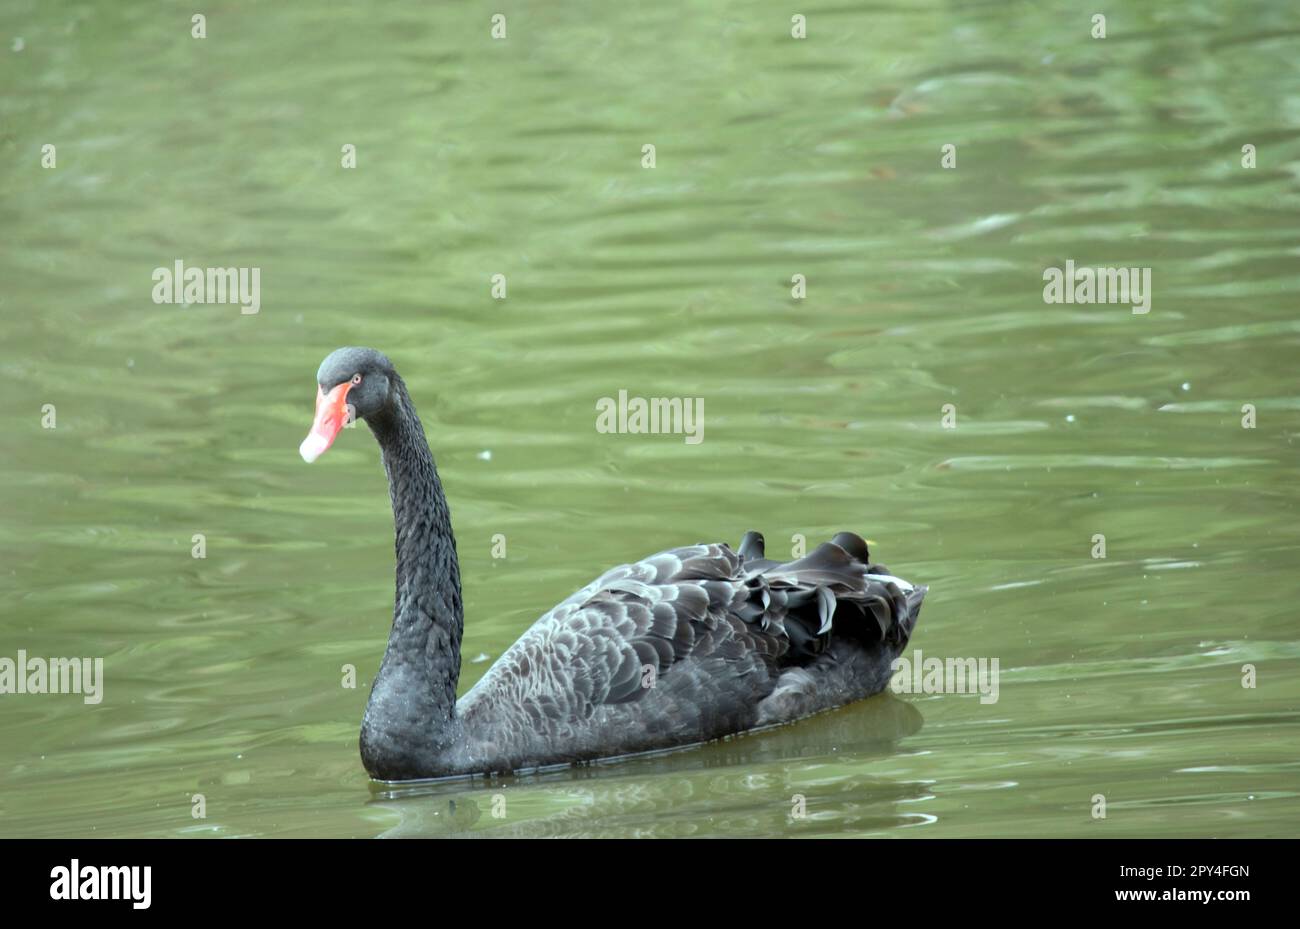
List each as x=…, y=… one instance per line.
x=1120, y=676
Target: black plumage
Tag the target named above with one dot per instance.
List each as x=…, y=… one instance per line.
x=681, y=647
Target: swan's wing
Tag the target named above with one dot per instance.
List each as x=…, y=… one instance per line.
x=734, y=618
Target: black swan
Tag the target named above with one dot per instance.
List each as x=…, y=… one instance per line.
x=682, y=647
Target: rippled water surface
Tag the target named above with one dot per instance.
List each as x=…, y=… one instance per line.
x=1120, y=676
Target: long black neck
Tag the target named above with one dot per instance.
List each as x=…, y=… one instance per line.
x=411, y=714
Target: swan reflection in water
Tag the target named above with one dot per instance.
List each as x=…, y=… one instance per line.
x=737, y=786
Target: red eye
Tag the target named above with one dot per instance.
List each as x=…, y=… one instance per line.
x=356, y=379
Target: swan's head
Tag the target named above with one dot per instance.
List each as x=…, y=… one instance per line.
x=352, y=383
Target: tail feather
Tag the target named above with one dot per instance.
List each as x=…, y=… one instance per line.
x=834, y=591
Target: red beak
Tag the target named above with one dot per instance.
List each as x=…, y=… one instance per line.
x=331, y=416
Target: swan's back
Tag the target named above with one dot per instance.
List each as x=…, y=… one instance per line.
x=689, y=645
